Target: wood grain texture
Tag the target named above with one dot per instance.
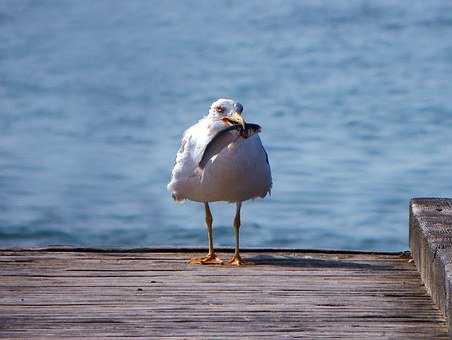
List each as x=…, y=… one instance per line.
x=431, y=245
x=51, y=293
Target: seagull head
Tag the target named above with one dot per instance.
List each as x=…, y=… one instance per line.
x=228, y=111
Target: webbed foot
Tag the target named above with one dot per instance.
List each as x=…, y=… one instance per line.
x=211, y=258
x=237, y=260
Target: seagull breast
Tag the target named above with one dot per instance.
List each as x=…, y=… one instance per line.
x=230, y=165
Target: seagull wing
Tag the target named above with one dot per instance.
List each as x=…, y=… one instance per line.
x=186, y=165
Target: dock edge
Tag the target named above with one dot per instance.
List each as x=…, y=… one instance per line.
x=430, y=237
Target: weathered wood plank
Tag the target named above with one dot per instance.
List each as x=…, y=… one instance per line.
x=158, y=295
x=431, y=245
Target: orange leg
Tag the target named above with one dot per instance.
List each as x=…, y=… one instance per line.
x=237, y=260
x=211, y=257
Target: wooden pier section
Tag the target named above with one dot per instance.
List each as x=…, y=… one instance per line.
x=155, y=294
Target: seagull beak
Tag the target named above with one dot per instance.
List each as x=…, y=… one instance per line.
x=237, y=119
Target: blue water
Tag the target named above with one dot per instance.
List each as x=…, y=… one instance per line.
x=354, y=97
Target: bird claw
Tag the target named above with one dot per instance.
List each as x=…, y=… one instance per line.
x=237, y=260
x=209, y=259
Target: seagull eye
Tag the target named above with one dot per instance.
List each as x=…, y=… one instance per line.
x=219, y=109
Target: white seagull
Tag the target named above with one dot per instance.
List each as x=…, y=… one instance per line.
x=221, y=158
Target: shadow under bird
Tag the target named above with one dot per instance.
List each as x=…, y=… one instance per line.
x=221, y=158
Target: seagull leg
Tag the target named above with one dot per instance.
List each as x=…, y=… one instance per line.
x=236, y=260
x=211, y=257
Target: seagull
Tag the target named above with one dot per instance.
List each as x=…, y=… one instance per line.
x=221, y=158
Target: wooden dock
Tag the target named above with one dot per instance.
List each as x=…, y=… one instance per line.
x=156, y=294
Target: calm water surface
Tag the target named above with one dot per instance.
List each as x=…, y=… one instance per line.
x=355, y=100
